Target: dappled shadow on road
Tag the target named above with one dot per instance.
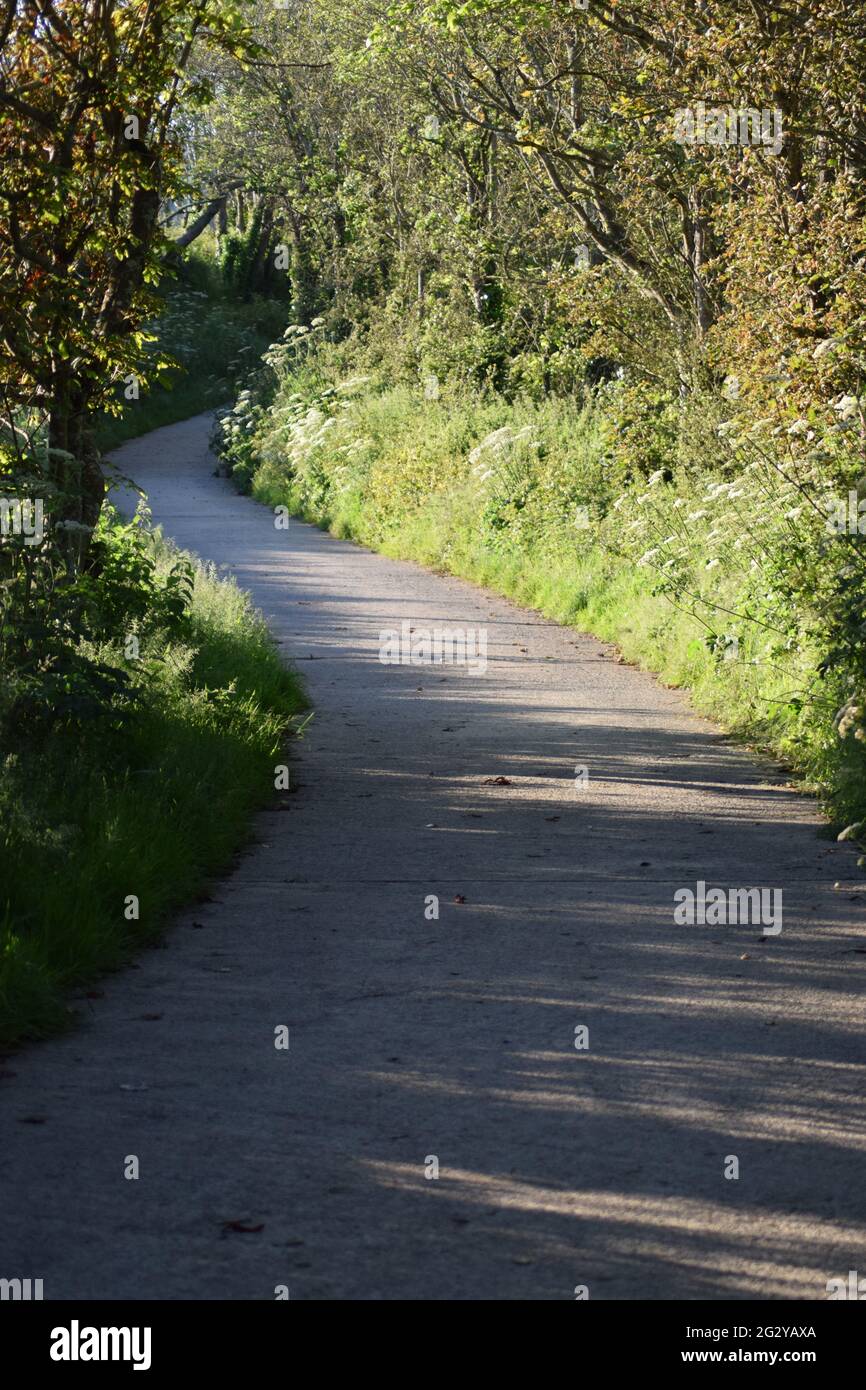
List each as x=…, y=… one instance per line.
x=561, y=1167
x=454, y=1038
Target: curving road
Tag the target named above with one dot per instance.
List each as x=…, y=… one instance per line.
x=414, y=1039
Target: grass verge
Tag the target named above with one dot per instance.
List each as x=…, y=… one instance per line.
x=699, y=574
x=148, y=810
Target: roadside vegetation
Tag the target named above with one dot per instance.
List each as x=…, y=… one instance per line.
x=578, y=303
x=690, y=572
x=132, y=758
x=143, y=705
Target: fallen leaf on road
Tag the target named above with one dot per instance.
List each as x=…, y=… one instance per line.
x=498, y=782
x=459, y=898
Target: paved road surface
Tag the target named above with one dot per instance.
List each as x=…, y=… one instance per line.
x=455, y=1038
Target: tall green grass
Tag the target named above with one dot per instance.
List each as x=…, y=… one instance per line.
x=544, y=502
x=151, y=809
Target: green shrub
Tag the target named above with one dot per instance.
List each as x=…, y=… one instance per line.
x=95, y=809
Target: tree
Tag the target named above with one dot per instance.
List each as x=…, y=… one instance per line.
x=89, y=91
